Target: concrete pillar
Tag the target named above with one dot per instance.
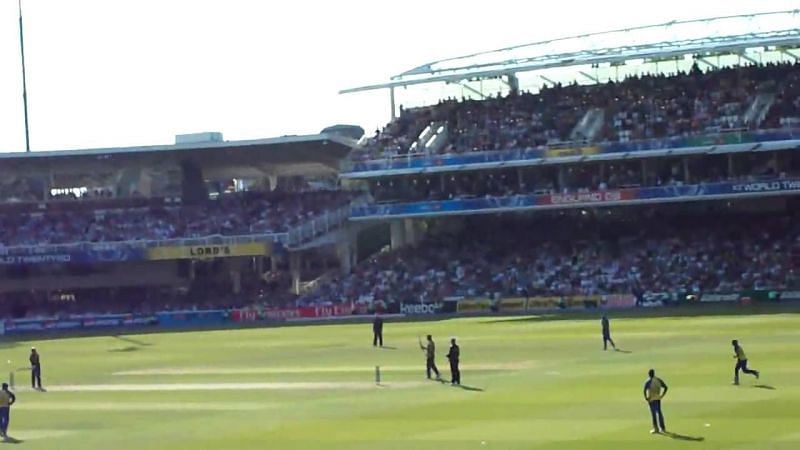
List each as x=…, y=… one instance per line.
x=295, y=262
x=344, y=252
x=731, y=169
x=260, y=265
x=686, y=174
x=644, y=172
x=236, y=281
x=272, y=182
x=411, y=231
x=398, y=234
x=273, y=263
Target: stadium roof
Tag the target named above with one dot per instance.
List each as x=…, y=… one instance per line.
x=292, y=154
x=731, y=34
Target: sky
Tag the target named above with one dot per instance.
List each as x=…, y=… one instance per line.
x=113, y=73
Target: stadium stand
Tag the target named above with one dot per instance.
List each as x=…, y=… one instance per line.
x=229, y=215
x=582, y=253
x=647, y=107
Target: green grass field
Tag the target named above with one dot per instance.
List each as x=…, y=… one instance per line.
x=535, y=384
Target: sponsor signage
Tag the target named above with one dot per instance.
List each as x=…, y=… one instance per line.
x=209, y=251
x=655, y=299
x=57, y=258
x=619, y=301
x=516, y=304
x=192, y=318
x=713, y=297
x=571, y=151
x=325, y=311
x=567, y=200
x=421, y=308
x=66, y=254
x=767, y=186
x=255, y=315
x=587, y=197
x=473, y=305
x=790, y=295
x=74, y=323
x=551, y=302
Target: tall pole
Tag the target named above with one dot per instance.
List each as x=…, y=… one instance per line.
x=24, y=81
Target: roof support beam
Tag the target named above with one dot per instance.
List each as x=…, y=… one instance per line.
x=471, y=89
x=548, y=80
x=590, y=77
x=788, y=53
x=705, y=61
x=745, y=57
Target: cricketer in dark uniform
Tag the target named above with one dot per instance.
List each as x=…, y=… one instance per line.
x=36, y=370
x=606, y=333
x=654, y=390
x=453, y=356
x=741, y=363
x=377, y=331
x=7, y=399
x=430, y=358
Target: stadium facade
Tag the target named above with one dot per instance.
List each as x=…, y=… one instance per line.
x=684, y=121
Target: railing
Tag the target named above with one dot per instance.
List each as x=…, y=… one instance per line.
x=421, y=160
x=317, y=226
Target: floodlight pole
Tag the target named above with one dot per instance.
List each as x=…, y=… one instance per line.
x=391, y=103
x=24, y=81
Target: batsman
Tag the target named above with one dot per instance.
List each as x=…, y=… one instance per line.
x=430, y=357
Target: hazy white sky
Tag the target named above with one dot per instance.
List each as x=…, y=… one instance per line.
x=107, y=73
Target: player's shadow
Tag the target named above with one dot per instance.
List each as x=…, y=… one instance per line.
x=11, y=440
x=128, y=349
x=619, y=350
x=683, y=437
x=469, y=388
x=137, y=344
x=388, y=347
x=765, y=386
x=132, y=340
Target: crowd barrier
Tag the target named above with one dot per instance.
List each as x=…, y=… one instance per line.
x=167, y=320
x=727, y=189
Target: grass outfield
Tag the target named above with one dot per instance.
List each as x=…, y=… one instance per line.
x=533, y=385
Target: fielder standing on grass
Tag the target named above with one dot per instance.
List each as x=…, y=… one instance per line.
x=741, y=363
x=453, y=356
x=654, y=390
x=607, y=333
x=430, y=357
x=36, y=370
x=377, y=331
x=7, y=398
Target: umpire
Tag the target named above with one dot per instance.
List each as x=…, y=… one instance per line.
x=453, y=356
x=36, y=370
x=377, y=331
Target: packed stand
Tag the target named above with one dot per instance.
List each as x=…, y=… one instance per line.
x=645, y=107
x=229, y=215
x=571, y=255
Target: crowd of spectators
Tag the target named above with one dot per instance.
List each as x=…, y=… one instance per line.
x=646, y=107
x=231, y=214
x=563, y=255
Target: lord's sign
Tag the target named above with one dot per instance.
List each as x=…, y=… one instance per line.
x=209, y=251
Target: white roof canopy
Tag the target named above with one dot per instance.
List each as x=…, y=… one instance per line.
x=732, y=34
